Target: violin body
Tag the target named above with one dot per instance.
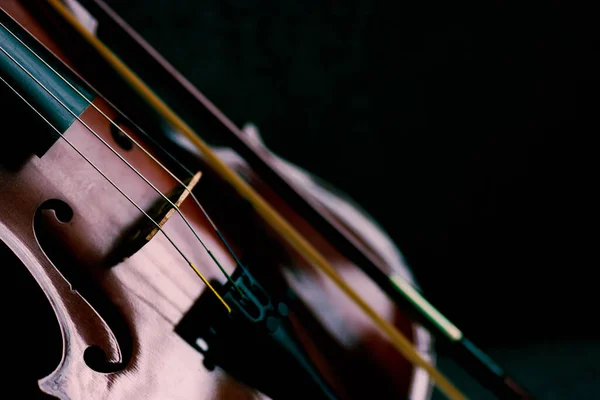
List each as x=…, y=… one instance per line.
x=120, y=290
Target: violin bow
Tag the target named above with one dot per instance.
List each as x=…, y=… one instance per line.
x=470, y=357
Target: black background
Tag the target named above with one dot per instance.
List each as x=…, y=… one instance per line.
x=467, y=131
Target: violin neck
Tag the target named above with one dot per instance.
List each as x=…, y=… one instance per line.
x=30, y=69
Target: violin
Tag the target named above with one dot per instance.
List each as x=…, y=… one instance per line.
x=172, y=269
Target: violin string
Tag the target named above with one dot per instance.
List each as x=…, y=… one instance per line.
x=120, y=191
x=166, y=198
x=147, y=153
x=262, y=207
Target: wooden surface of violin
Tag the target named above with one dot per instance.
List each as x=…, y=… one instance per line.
x=100, y=217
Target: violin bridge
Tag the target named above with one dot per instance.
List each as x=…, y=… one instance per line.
x=144, y=230
x=163, y=210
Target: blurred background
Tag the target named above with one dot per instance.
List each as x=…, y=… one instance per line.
x=467, y=131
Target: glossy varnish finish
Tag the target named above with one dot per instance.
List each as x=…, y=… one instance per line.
x=65, y=222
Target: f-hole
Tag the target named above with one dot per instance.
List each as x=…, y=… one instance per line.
x=81, y=279
x=118, y=136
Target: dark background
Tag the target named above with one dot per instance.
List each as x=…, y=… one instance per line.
x=467, y=131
